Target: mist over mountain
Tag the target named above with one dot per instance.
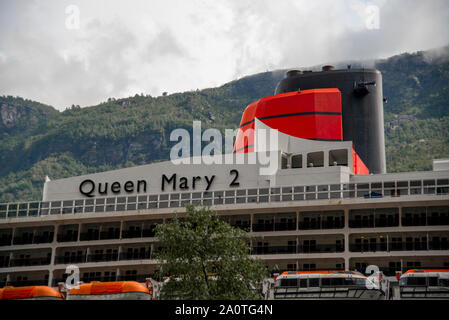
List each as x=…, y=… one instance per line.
x=37, y=140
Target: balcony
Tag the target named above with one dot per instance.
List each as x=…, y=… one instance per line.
x=292, y=249
x=67, y=237
x=422, y=220
x=36, y=239
x=243, y=226
x=318, y=225
x=70, y=259
x=108, y=235
x=23, y=283
x=139, y=233
x=321, y=248
x=30, y=262
x=374, y=223
x=5, y=240
x=274, y=250
x=90, y=236
x=4, y=262
x=278, y=226
x=261, y=227
x=23, y=240
x=398, y=246
x=43, y=238
x=102, y=257
x=135, y=256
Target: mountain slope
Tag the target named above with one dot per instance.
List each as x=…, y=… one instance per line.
x=36, y=140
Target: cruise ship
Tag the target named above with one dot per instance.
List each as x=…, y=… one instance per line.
x=328, y=205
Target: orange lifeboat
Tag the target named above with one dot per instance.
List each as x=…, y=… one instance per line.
x=118, y=290
x=29, y=293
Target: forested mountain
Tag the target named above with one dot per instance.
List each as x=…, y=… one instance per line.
x=37, y=140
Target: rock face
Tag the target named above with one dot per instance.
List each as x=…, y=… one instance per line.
x=9, y=115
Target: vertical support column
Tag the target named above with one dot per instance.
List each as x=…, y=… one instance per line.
x=119, y=253
x=79, y=232
x=400, y=216
x=11, y=257
x=50, y=278
x=121, y=230
x=346, y=263
x=297, y=220
x=346, y=247
x=53, y=256
x=117, y=274
x=297, y=244
x=55, y=234
x=388, y=242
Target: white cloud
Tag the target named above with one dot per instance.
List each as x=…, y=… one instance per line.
x=124, y=48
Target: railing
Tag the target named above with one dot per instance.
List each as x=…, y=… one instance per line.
x=6, y=241
x=138, y=233
x=85, y=236
x=274, y=250
x=70, y=259
x=320, y=225
x=135, y=277
x=135, y=256
x=67, y=237
x=29, y=262
x=321, y=248
x=23, y=283
x=425, y=221
x=278, y=226
x=292, y=249
x=102, y=257
x=107, y=235
x=240, y=196
x=374, y=223
x=36, y=239
x=398, y=246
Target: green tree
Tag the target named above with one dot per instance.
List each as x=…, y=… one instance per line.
x=207, y=259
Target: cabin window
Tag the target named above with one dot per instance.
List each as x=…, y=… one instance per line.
x=297, y=161
x=338, y=157
x=314, y=282
x=289, y=282
x=315, y=159
x=284, y=161
x=303, y=283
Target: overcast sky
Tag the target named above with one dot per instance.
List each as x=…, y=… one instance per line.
x=82, y=52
